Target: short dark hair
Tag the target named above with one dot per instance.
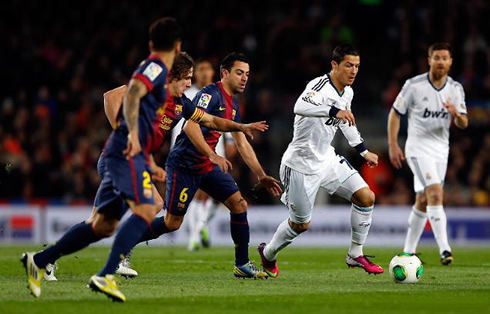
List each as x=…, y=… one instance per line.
x=342, y=50
x=183, y=63
x=164, y=33
x=230, y=59
x=440, y=46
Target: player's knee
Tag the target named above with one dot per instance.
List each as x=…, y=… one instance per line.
x=421, y=202
x=434, y=195
x=300, y=228
x=240, y=206
x=103, y=227
x=364, y=197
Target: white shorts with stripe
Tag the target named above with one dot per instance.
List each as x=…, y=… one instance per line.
x=300, y=189
x=426, y=171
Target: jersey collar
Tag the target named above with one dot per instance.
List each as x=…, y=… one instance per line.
x=335, y=87
x=442, y=87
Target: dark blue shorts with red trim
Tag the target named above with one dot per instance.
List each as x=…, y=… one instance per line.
x=122, y=180
x=182, y=186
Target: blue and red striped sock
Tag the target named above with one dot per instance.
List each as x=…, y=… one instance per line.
x=240, y=233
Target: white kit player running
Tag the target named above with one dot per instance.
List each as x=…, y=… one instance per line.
x=432, y=100
x=310, y=162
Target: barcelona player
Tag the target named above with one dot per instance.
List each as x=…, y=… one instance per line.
x=111, y=205
x=190, y=168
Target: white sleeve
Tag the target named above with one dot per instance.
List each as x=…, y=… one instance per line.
x=459, y=102
x=311, y=103
x=353, y=136
x=403, y=99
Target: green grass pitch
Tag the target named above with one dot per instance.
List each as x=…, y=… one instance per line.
x=312, y=280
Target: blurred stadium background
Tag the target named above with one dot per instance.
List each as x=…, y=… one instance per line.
x=59, y=57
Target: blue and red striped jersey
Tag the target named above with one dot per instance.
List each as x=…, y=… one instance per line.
x=215, y=101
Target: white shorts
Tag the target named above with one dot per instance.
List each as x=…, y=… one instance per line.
x=426, y=172
x=300, y=189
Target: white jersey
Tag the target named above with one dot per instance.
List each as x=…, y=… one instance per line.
x=315, y=126
x=428, y=119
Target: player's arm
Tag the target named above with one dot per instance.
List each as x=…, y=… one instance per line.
x=158, y=174
x=131, y=105
x=112, y=103
x=312, y=104
x=193, y=131
x=395, y=152
x=248, y=155
x=225, y=125
x=355, y=140
x=460, y=119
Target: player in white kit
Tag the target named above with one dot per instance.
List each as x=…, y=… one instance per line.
x=432, y=100
x=310, y=162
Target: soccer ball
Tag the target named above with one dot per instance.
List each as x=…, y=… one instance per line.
x=406, y=268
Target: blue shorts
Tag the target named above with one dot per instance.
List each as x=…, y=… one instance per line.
x=182, y=186
x=122, y=180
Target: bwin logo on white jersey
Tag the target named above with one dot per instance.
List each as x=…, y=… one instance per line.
x=435, y=114
x=333, y=121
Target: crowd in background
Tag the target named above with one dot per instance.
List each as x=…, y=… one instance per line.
x=58, y=60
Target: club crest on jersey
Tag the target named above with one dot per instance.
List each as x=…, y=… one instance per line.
x=152, y=71
x=233, y=114
x=204, y=101
x=178, y=110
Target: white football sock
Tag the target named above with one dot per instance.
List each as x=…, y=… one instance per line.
x=212, y=207
x=416, y=225
x=438, y=223
x=193, y=213
x=360, y=221
x=283, y=237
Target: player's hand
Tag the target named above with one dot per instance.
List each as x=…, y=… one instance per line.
x=346, y=116
x=271, y=184
x=396, y=156
x=223, y=163
x=260, y=126
x=134, y=147
x=372, y=159
x=452, y=109
x=158, y=174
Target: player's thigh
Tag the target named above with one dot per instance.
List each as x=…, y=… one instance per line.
x=426, y=171
x=299, y=195
x=108, y=201
x=342, y=179
x=218, y=184
x=131, y=178
x=181, y=188
x=201, y=195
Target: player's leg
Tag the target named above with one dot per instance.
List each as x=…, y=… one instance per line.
x=349, y=184
x=416, y=224
x=196, y=217
x=76, y=238
x=222, y=187
x=438, y=221
x=212, y=206
x=299, y=196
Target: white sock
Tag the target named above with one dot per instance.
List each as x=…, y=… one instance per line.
x=211, y=208
x=283, y=237
x=360, y=221
x=193, y=212
x=438, y=223
x=416, y=225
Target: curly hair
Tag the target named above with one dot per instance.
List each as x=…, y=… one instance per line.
x=183, y=63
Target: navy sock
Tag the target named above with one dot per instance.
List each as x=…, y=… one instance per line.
x=126, y=238
x=240, y=233
x=76, y=238
x=156, y=229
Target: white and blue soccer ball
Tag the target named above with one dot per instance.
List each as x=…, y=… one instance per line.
x=406, y=268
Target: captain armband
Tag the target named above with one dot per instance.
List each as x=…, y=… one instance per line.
x=197, y=116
